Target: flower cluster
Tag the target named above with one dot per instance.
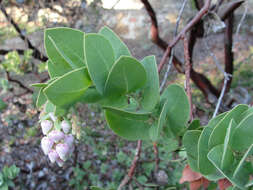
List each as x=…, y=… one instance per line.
x=57, y=143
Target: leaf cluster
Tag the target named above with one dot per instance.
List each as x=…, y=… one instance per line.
x=224, y=148
x=7, y=175
x=98, y=68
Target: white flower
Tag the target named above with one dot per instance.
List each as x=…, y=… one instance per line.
x=46, y=144
x=53, y=156
x=63, y=150
x=46, y=126
x=56, y=135
x=65, y=126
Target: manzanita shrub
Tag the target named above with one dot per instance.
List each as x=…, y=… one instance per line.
x=97, y=68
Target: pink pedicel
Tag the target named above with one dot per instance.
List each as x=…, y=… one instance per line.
x=63, y=150
x=46, y=144
x=65, y=126
x=46, y=126
x=56, y=135
x=53, y=156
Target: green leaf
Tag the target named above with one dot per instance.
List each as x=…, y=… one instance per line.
x=204, y=165
x=91, y=95
x=190, y=142
x=3, y=105
x=96, y=188
x=227, y=156
x=131, y=126
x=49, y=107
x=118, y=46
x=126, y=75
x=243, y=135
x=115, y=101
x=215, y=156
x=68, y=88
x=156, y=129
x=4, y=187
x=151, y=92
x=13, y=171
x=41, y=100
x=39, y=85
x=1, y=179
x=64, y=46
x=242, y=172
x=179, y=108
x=140, y=115
x=99, y=59
x=54, y=70
x=218, y=134
x=195, y=124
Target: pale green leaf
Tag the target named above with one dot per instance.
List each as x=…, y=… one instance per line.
x=126, y=75
x=99, y=59
x=117, y=44
x=68, y=88
x=151, y=92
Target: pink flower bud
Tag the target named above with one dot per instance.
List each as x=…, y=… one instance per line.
x=53, y=156
x=63, y=150
x=46, y=144
x=69, y=140
x=46, y=126
x=56, y=135
x=65, y=126
x=60, y=162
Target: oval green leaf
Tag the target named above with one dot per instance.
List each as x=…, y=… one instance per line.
x=99, y=59
x=128, y=126
x=204, y=165
x=118, y=46
x=243, y=135
x=68, y=88
x=190, y=142
x=64, y=46
x=179, y=108
x=151, y=92
x=219, y=132
x=126, y=75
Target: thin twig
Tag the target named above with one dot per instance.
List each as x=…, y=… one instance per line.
x=187, y=74
x=240, y=23
x=226, y=78
x=131, y=171
x=172, y=51
x=216, y=61
x=243, y=18
x=194, y=21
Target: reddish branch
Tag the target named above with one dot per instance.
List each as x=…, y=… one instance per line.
x=228, y=43
x=187, y=74
x=131, y=171
x=190, y=25
x=200, y=80
x=36, y=53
